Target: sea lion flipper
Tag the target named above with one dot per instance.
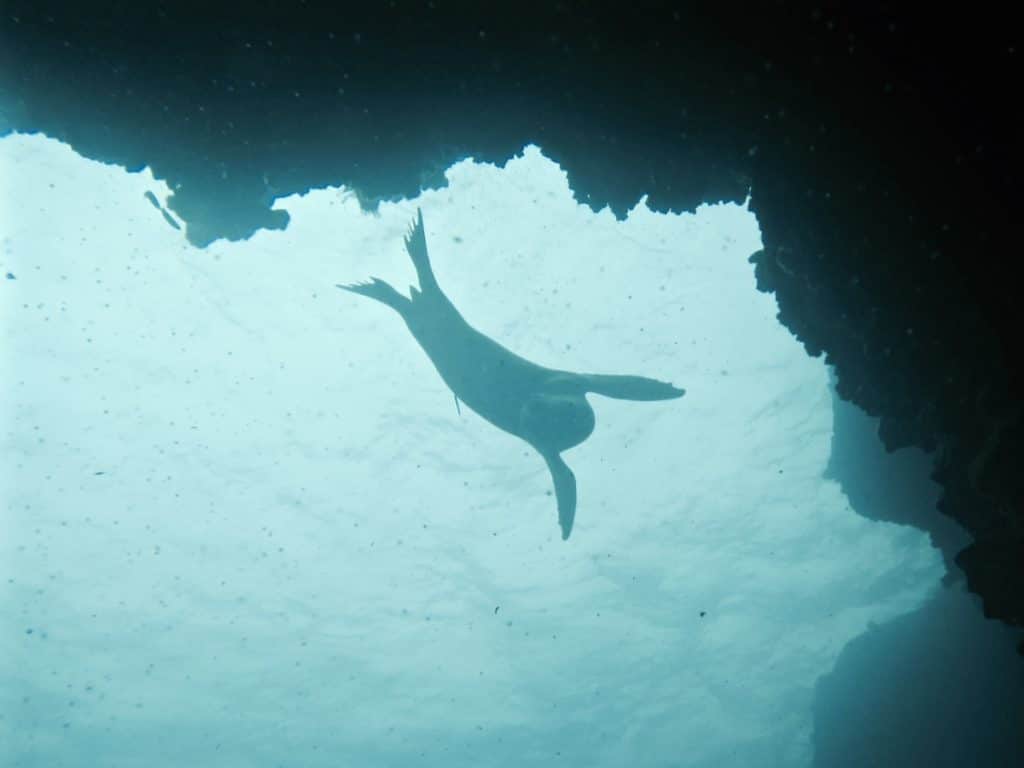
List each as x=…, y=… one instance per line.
x=416, y=245
x=380, y=290
x=629, y=387
x=565, y=492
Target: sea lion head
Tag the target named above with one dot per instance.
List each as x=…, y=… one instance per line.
x=556, y=421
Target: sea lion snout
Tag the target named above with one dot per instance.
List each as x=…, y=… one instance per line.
x=556, y=422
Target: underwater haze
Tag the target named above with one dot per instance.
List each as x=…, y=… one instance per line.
x=245, y=524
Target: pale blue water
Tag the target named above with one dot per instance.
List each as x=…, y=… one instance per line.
x=245, y=525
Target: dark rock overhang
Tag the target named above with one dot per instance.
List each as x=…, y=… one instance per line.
x=880, y=148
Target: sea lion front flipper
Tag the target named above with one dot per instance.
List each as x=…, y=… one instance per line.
x=629, y=387
x=565, y=492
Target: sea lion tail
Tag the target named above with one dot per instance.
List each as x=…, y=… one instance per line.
x=565, y=492
x=629, y=387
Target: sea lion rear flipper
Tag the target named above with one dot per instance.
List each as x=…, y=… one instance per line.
x=416, y=245
x=565, y=492
x=629, y=387
x=379, y=290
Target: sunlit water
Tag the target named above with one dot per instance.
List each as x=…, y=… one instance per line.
x=244, y=524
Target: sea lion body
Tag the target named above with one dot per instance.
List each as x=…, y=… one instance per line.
x=522, y=398
x=545, y=407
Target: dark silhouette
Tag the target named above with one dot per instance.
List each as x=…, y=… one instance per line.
x=545, y=407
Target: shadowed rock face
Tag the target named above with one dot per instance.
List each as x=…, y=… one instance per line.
x=880, y=152
x=938, y=687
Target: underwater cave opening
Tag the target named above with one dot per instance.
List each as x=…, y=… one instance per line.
x=242, y=514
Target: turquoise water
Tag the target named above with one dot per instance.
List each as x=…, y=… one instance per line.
x=245, y=524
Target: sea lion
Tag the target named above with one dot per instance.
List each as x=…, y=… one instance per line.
x=545, y=407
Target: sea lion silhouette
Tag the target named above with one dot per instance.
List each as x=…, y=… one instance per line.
x=545, y=407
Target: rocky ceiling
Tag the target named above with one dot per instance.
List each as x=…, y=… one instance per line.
x=881, y=149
